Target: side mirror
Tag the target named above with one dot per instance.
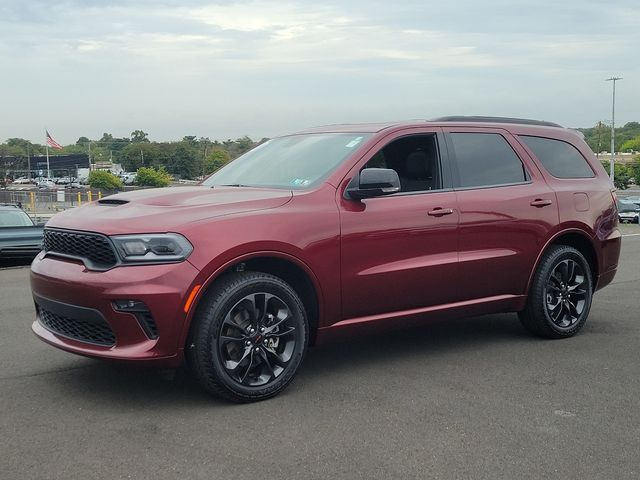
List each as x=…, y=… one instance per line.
x=373, y=182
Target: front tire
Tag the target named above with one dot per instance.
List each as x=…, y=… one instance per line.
x=560, y=297
x=249, y=337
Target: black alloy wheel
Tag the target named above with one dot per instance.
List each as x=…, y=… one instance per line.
x=566, y=293
x=248, y=337
x=257, y=339
x=560, y=296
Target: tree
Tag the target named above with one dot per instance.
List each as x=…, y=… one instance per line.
x=138, y=136
x=599, y=137
x=20, y=146
x=184, y=161
x=150, y=177
x=11, y=151
x=239, y=146
x=136, y=155
x=621, y=174
x=216, y=159
x=632, y=145
x=634, y=169
x=104, y=180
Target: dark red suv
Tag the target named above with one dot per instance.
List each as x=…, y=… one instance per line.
x=331, y=230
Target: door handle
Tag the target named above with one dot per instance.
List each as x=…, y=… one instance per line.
x=539, y=203
x=440, y=212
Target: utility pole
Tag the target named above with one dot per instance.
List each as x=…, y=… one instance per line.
x=599, y=131
x=29, y=164
x=613, y=126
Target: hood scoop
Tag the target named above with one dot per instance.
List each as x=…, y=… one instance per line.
x=112, y=201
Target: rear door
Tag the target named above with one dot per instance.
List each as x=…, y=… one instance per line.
x=507, y=211
x=399, y=252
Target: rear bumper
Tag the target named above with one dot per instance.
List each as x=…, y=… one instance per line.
x=75, y=309
x=605, y=279
x=610, y=255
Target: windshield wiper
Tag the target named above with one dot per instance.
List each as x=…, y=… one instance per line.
x=234, y=185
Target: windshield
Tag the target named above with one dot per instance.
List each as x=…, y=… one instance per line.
x=625, y=206
x=14, y=218
x=295, y=162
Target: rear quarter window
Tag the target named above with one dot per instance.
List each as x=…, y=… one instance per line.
x=560, y=159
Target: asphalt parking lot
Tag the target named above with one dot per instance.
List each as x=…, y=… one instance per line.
x=476, y=398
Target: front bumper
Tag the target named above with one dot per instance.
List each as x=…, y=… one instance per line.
x=19, y=251
x=75, y=309
x=626, y=217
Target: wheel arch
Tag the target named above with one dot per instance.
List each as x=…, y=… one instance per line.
x=577, y=239
x=285, y=266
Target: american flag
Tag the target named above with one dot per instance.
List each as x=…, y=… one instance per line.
x=52, y=143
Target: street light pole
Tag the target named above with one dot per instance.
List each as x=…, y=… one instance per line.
x=613, y=126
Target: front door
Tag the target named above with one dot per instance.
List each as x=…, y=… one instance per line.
x=399, y=252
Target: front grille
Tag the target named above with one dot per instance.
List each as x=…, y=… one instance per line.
x=94, y=249
x=96, y=332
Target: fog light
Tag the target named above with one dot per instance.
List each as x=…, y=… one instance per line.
x=130, y=306
x=141, y=313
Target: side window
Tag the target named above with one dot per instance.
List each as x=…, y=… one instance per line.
x=486, y=159
x=416, y=160
x=560, y=159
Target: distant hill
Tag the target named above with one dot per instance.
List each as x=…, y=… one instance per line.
x=599, y=136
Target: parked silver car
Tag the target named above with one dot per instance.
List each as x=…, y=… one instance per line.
x=628, y=211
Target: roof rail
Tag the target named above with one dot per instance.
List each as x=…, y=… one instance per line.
x=473, y=118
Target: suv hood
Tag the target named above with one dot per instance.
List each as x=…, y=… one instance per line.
x=166, y=209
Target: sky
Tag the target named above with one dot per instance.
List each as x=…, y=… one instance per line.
x=264, y=68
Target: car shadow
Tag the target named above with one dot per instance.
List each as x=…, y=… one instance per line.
x=105, y=382
x=434, y=338
x=116, y=384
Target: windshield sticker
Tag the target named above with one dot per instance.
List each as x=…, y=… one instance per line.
x=354, y=142
x=300, y=182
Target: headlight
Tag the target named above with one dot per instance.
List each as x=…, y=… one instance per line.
x=153, y=247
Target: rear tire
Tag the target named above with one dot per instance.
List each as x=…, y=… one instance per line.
x=249, y=337
x=560, y=297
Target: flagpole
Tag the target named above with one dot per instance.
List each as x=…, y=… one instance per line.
x=48, y=172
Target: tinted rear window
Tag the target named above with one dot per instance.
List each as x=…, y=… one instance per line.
x=486, y=159
x=561, y=159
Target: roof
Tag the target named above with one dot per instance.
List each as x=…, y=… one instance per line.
x=358, y=127
x=483, y=119
x=476, y=121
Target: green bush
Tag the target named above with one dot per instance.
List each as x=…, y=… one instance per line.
x=621, y=172
x=104, y=180
x=150, y=177
x=634, y=169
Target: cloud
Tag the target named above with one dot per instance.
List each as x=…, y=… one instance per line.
x=266, y=66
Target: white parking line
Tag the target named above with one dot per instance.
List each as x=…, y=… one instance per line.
x=631, y=235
